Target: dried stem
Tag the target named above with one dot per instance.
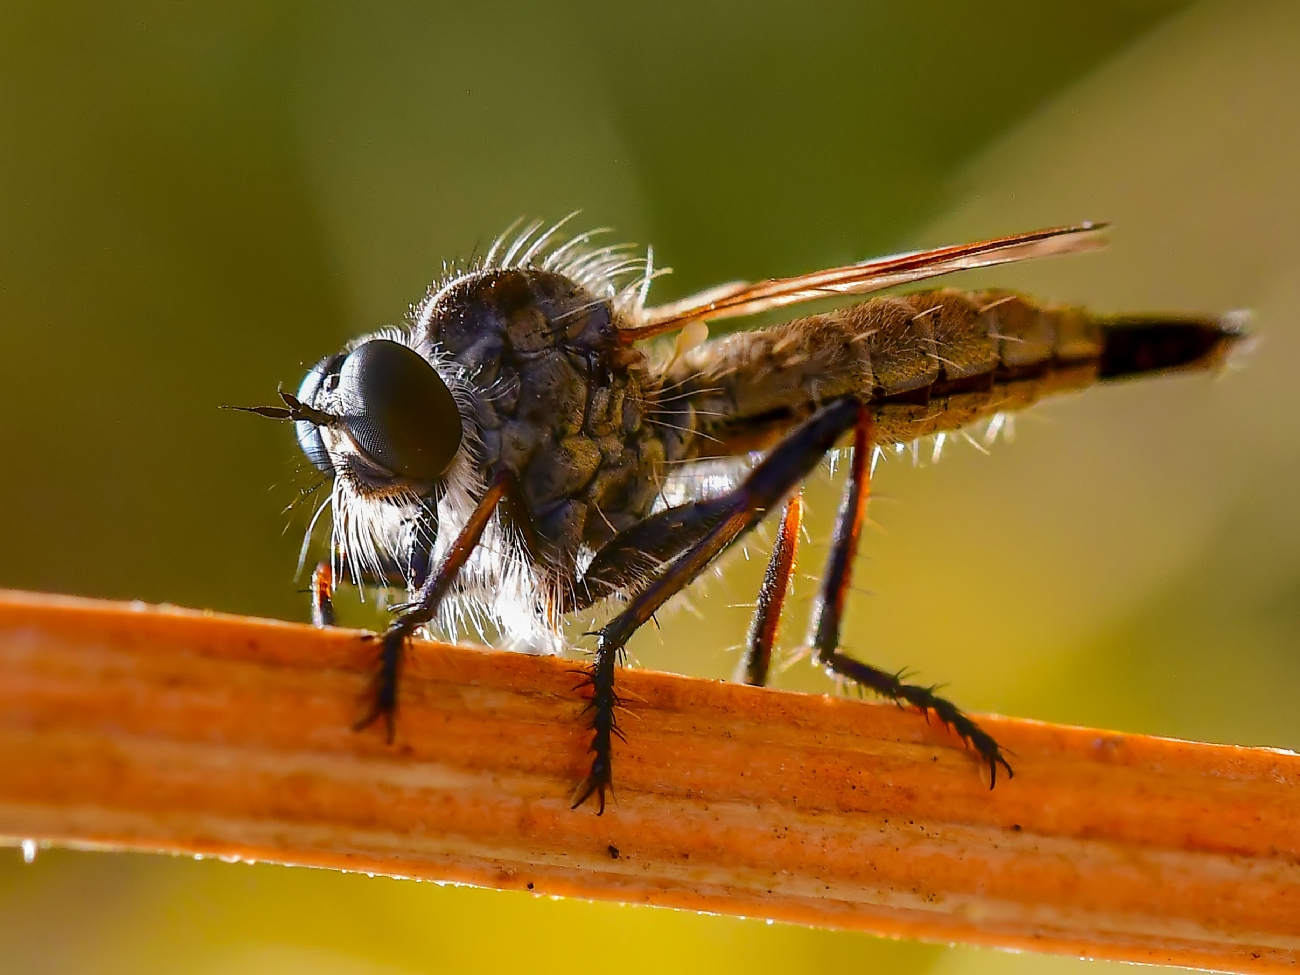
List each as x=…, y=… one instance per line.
x=161, y=729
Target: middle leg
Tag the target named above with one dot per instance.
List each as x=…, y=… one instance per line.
x=730, y=517
x=766, y=623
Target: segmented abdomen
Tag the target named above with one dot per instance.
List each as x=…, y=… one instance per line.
x=928, y=362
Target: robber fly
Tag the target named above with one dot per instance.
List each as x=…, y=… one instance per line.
x=516, y=454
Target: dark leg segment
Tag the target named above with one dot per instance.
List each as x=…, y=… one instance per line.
x=640, y=552
x=766, y=624
x=784, y=468
x=422, y=609
x=421, y=533
x=828, y=611
x=828, y=614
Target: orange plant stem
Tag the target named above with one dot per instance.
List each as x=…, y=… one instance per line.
x=145, y=728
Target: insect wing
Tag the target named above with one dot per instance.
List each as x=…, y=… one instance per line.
x=742, y=298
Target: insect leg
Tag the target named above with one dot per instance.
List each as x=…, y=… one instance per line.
x=736, y=513
x=640, y=552
x=420, y=536
x=828, y=614
x=424, y=607
x=421, y=533
x=828, y=611
x=322, y=595
x=771, y=597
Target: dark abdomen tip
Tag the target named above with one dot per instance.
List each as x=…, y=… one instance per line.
x=1138, y=346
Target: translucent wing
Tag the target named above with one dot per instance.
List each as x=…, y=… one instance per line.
x=743, y=298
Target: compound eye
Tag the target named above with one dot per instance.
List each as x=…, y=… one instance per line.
x=399, y=411
x=309, y=438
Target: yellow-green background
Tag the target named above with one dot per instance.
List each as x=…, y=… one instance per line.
x=197, y=201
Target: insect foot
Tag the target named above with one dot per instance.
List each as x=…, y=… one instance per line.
x=603, y=708
x=924, y=699
x=381, y=693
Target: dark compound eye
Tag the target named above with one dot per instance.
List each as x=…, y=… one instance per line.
x=399, y=411
x=309, y=438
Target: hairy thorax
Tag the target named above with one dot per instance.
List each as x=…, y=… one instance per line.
x=557, y=401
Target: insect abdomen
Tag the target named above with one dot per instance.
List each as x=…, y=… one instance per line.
x=929, y=362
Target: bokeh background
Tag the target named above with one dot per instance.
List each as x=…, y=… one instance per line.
x=196, y=202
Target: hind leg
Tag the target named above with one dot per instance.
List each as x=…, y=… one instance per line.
x=828, y=614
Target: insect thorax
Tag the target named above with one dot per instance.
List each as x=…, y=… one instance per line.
x=558, y=402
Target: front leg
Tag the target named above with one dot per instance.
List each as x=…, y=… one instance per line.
x=424, y=607
x=322, y=595
x=828, y=614
x=421, y=533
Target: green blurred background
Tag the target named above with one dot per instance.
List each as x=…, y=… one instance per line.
x=196, y=202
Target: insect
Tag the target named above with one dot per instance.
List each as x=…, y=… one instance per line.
x=517, y=453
